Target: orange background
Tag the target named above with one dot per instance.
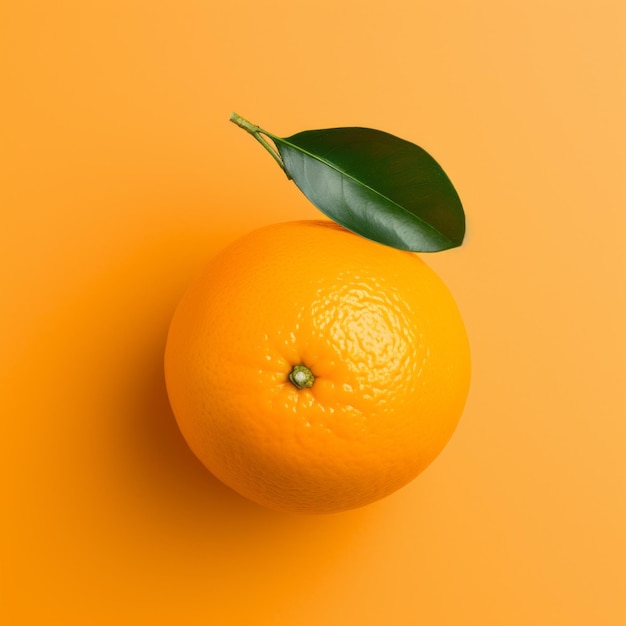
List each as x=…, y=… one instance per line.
x=120, y=176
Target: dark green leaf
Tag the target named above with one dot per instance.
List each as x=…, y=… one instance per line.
x=377, y=185
x=373, y=183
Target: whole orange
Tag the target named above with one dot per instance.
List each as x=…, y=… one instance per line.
x=313, y=370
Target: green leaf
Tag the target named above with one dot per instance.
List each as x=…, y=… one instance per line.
x=374, y=184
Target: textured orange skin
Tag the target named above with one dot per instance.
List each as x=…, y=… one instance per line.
x=377, y=328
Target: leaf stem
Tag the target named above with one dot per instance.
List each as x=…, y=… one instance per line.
x=258, y=133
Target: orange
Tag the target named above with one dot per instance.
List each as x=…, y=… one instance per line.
x=313, y=370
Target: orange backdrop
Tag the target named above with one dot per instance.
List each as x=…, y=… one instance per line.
x=120, y=176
